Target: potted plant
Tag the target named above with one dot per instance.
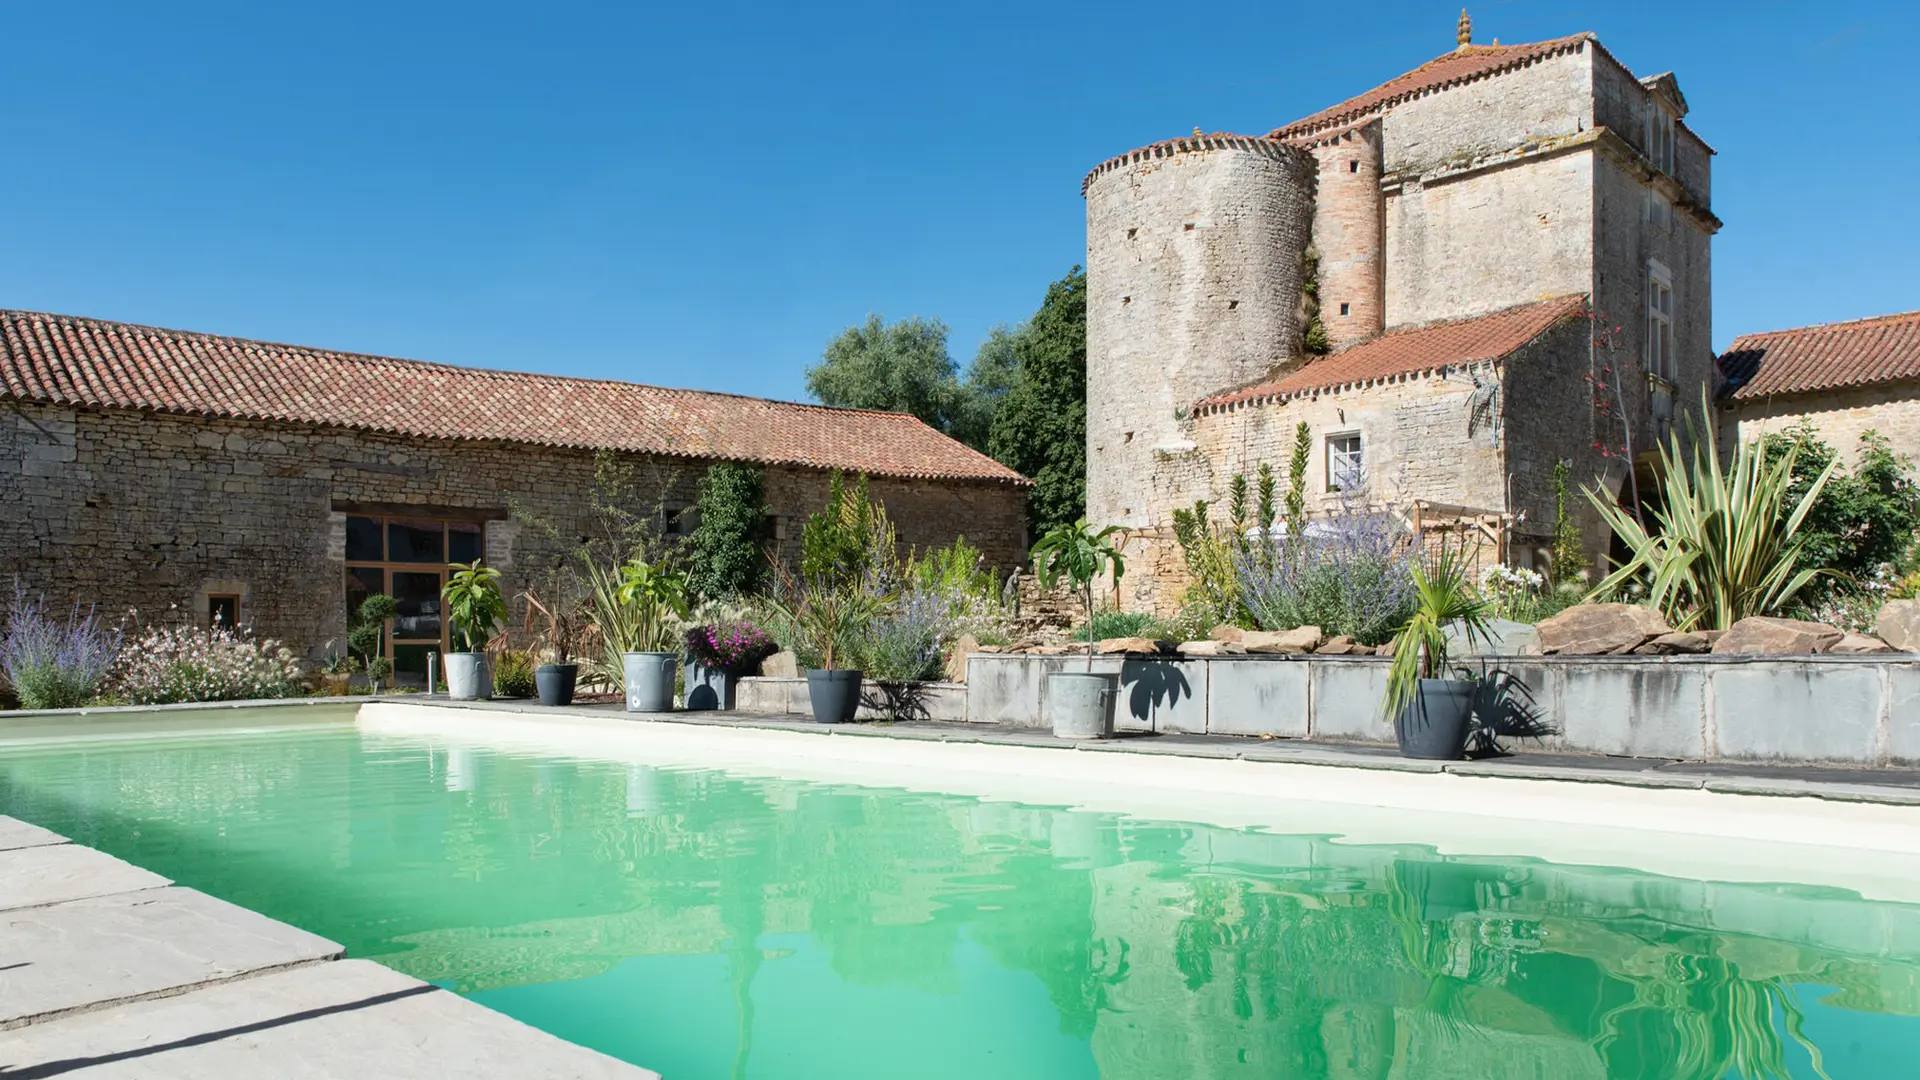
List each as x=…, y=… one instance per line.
x=336, y=672
x=475, y=609
x=1080, y=704
x=365, y=638
x=563, y=612
x=824, y=615
x=718, y=654
x=652, y=601
x=1432, y=714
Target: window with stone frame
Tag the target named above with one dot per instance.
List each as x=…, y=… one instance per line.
x=1346, y=466
x=1659, y=136
x=1659, y=321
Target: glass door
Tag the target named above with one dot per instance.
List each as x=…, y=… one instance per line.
x=407, y=558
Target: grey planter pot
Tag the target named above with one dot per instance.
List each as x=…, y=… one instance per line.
x=1081, y=705
x=555, y=683
x=1435, y=725
x=467, y=676
x=834, y=695
x=650, y=680
x=709, y=688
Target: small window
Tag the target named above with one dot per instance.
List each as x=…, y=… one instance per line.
x=1660, y=321
x=223, y=612
x=1346, y=309
x=1346, y=469
x=1353, y=166
x=1659, y=136
x=679, y=520
x=1659, y=211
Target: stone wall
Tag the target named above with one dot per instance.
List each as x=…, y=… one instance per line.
x=1841, y=416
x=1854, y=710
x=1349, y=226
x=134, y=510
x=1193, y=285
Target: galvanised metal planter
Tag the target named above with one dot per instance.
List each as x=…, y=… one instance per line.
x=1081, y=705
x=467, y=676
x=710, y=688
x=650, y=680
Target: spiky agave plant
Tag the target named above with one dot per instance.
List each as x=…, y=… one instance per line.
x=1726, y=542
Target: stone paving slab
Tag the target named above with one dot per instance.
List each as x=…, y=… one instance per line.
x=55, y=873
x=85, y=953
x=349, y=1019
x=15, y=834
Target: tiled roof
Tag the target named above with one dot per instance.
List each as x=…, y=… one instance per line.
x=1463, y=65
x=64, y=360
x=1826, y=357
x=1414, y=351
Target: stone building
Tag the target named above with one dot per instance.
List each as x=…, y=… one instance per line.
x=270, y=485
x=1491, y=264
x=1844, y=378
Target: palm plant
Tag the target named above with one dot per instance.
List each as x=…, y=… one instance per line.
x=1080, y=554
x=1726, y=542
x=1443, y=595
x=475, y=608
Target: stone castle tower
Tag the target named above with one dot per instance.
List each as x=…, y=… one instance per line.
x=1378, y=270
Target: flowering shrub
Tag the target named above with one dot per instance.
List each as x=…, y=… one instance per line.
x=1350, y=574
x=185, y=663
x=734, y=646
x=54, y=665
x=907, y=641
x=1522, y=595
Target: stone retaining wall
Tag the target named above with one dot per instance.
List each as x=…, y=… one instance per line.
x=1860, y=710
x=781, y=696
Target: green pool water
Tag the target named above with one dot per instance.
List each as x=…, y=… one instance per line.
x=713, y=925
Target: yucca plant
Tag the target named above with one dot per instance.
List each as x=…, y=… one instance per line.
x=1726, y=541
x=1443, y=595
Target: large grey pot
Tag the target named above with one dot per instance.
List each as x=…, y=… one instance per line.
x=834, y=695
x=467, y=676
x=1081, y=704
x=709, y=688
x=650, y=680
x=1435, y=724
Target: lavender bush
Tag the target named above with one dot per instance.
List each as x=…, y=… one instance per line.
x=50, y=664
x=907, y=641
x=1351, y=573
x=185, y=663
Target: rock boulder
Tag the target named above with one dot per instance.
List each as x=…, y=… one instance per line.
x=1598, y=629
x=781, y=665
x=1767, y=636
x=1298, y=640
x=1899, y=625
x=957, y=658
x=1861, y=643
x=1119, y=645
x=1228, y=633
x=1675, y=643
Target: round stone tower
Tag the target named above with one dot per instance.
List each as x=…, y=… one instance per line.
x=1349, y=233
x=1194, y=265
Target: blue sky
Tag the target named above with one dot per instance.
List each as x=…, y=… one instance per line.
x=701, y=195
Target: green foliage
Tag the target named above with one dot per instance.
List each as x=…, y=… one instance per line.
x=1313, y=331
x=823, y=620
x=1862, y=520
x=513, y=674
x=365, y=636
x=848, y=539
x=894, y=367
x=1119, y=624
x=1078, y=554
x=1443, y=594
x=1568, y=555
x=1265, y=509
x=475, y=608
x=1297, y=479
x=655, y=600
x=1040, y=426
x=1210, y=562
x=726, y=554
x=1726, y=543
x=994, y=373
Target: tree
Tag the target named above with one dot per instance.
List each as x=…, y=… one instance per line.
x=995, y=371
x=726, y=553
x=1862, y=520
x=1040, y=425
x=894, y=367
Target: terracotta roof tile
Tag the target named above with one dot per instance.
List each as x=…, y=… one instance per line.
x=1414, y=351
x=1826, y=357
x=1463, y=65
x=64, y=360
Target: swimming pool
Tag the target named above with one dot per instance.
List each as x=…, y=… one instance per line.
x=721, y=922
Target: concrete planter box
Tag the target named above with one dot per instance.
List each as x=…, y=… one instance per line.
x=779, y=696
x=1844, y=709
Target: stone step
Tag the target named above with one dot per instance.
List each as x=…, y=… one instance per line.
x=82, y=954
x=353, y=1018
x=15, y=833
x=56, y=873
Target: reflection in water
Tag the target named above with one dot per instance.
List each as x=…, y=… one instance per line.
x=711, y=925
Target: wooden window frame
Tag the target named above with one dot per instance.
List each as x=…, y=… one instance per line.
x=388, y=566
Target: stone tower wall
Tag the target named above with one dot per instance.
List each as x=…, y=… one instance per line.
x=1194, y=268
x=1349, y=232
